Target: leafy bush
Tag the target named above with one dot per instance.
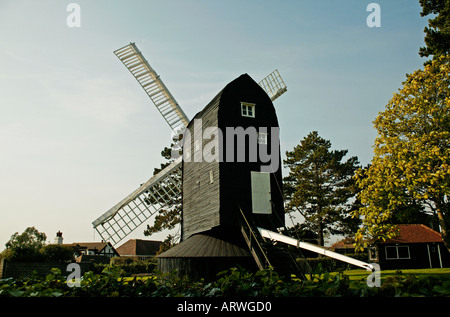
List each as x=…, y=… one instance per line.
x=57, y=253
x=113, y=282
x=7, y=254
x=131, y=265
x=51, y=253
x=26, y=254
x=328, y=264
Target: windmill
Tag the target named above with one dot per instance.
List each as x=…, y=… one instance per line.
x=215, y=225
x=132, y=211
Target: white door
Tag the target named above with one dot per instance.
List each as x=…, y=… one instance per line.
x=261, y=203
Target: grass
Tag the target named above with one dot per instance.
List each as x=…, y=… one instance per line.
x=357, y=276
x=361, y=275
x=444, y=273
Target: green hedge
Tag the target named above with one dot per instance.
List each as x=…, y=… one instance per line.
x=49, y=253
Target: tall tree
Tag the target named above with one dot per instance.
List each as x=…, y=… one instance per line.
x=319, y=185
x=411, y=163
x=26, y=245
x=411, y=212
x=437, y=34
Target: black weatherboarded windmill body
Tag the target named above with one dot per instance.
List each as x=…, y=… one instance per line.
x=236, y=178
x=229, y=177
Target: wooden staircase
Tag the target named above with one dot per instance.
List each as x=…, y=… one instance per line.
x=282, y=258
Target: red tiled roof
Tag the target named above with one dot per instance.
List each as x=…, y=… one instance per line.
x=415, y=233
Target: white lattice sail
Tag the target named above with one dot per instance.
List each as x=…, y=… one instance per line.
x=152, y=84
x=158, y=192
x=273, y=85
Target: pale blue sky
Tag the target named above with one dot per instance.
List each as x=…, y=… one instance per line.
x=77, y=133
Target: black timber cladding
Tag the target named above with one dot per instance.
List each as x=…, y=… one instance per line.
x=214, y=191
x=200, y=196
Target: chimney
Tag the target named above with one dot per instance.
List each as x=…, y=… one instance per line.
x=59, y=238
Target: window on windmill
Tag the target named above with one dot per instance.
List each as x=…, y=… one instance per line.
x=262, y=138
x=261, y=193
x=248, y=109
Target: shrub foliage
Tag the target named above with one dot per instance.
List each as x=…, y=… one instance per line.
x=113, y=282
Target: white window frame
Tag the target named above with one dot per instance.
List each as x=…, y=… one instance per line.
x=396, y=250
x=245, y=106
x=261, y=193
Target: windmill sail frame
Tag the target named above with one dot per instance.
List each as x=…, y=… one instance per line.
x=273, y=85
x=132, y=211
x=152, y=84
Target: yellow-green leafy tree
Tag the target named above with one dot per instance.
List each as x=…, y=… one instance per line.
x=411, y=155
